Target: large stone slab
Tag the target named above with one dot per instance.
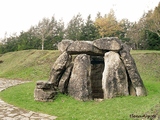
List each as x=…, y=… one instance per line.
x=133, y=73
x=84, y=47
x=108, y=44
x=59, y=67
x=80, y=84
x=114, y=81
x=63, y=45
x=63, y=83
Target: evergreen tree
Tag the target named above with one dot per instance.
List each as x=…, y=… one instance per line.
x=74, y=28
x=89, y=30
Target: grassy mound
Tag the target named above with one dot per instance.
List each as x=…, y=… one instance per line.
x=27, y=64
x=35, y=65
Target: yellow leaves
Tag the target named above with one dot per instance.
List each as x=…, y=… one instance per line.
x=107, y=25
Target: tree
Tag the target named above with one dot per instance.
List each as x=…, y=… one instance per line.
x=153, y=41
x=125, y=26
x=107, y=25
x=74, y=28
x=28, y=41
x=44, y=29
x=136, y=33
x=89, y=30
x=152, y=20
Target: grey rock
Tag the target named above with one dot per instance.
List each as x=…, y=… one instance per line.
x=59, y=67
x=45, y=91
x=63, y=45
x=83, y=47
x=79, y=85
x=44, y=94
x=132, y=71
x=44, y=85
x=63, y=83
x=114, y=81
x=108, y=43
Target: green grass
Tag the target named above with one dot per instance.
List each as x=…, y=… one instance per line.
x=66, y=108
x=27, y=64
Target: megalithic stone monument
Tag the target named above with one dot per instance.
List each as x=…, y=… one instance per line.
x=86, y=70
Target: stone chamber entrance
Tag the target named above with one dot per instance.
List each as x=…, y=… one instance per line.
x=97, y=68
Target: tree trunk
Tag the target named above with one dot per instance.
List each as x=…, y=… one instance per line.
x=42, y=43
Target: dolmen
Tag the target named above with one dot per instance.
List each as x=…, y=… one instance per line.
x=87, y=70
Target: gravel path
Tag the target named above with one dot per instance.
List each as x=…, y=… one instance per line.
x=10, y=112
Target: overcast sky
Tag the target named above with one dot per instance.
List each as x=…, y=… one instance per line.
x=18, y=15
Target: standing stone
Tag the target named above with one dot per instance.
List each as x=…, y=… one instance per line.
x=108, y=43
x=80, y=84
x=132, y=71
x=63, y=83
x=59, y=67
x=114, y=81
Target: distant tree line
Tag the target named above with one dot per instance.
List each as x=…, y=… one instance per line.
x=144, y=34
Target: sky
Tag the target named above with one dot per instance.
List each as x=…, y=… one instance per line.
x=20, y=15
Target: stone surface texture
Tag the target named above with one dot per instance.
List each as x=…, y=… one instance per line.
x=64, y=81
x=108, y=44
x=59, y=67
x=80, y=85
x=45, y=91
x=132, y=71
x=64, y=44
x=83, y=47
x=114, y=81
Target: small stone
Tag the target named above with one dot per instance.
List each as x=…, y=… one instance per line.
x=44, y=95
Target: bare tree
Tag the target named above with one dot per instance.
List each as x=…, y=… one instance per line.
x=45, y=28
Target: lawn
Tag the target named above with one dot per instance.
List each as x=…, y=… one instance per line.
x=66, y=108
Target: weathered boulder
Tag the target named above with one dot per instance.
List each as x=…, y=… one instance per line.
x=132, y=71
x=63, y=83
x=44, y=85
x=108, y=44
x=59, y=67
x=63, y=45
x=80, y=84
x=83, y=47
x=44, y=91
x=114, y=81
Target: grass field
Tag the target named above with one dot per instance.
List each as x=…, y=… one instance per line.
x=35, y=65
